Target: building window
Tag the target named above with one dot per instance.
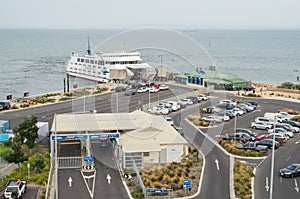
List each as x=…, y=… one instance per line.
x=146, y=154
x=78, y=59
x=86, y=61
x=82, y=60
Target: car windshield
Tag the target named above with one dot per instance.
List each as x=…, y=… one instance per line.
x=12, y=189
x=291, y=167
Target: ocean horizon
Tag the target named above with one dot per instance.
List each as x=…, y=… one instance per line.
x=34, y=60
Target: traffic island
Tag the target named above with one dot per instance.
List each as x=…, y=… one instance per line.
x=177, y=179
x=243, y=175
x=230, y=146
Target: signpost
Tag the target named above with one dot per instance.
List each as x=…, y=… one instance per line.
x=187, y=185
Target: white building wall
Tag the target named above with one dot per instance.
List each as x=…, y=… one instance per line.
x=152, y=158
x=174, y=152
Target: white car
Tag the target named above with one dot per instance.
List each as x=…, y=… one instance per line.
x=153, y=90
x=163, y=87
x=186, y=101
x=202, y=97
x=288, y=134
x=169, y=120
x=222, y=116
x=286, y=115
x=142, y=90
x=238, y=111
x=163, y=109
x=227, y=101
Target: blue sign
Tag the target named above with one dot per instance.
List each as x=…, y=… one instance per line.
x=80, y=137
x=116, y=135
x=94, y=137
x=187, y=184
x=61, y=138
x=88, y=159
x=157, y=190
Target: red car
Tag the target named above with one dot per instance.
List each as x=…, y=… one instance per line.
x=264, y=136
x=156, y=86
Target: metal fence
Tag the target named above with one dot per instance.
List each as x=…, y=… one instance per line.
x=69, y=162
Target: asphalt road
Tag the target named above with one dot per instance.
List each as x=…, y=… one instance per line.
x=215, y=183
x=218, y=179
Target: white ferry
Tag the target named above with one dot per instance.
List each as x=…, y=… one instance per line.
x=109, y=67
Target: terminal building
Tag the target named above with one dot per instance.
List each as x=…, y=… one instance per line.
x=144, y=140
x=213, y=78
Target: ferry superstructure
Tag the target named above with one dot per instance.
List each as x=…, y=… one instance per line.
x=108, y=67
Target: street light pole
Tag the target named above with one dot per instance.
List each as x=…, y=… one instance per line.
x=273, y=156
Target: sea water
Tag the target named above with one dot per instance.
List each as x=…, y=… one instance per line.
x=35, y=61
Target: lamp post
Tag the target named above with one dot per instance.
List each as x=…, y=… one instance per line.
x=28, y=166
x=272, y=162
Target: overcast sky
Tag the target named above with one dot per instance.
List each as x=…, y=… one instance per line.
x=205, y=14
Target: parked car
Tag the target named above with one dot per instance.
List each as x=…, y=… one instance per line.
x=227, y=101
x=238, y=111
x=261, y=125
x=169, y=120
x=142, y=89
x=287, y=127
x=237, y=137
x=179, y=130
x=269, y=143
x=288, y=134
x=245, y=107
x=187, y=101
x=291, y=171
x=249, y=132
x=5, y=104
x=226, y=106
x=279, y=137
x=210, y=109
x=222, y=116
x=182, y=104
x=174, y=105
x=156, y=86
x=212, y=119
x=253, y=146
x=272, y=116
x=153, y=90
x=293, y=123
x=163, y=87
x=286, y=115
x=120, y=89
x=15, y=189
x=129, y=92
x=202, y=97
x=193, y=98
x=263, y=136
x=263, y=119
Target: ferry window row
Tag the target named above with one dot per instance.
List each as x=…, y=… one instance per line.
x=99, y=62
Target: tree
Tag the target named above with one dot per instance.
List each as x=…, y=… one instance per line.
x=17, y=155
x=39, y=163
x=28, y=131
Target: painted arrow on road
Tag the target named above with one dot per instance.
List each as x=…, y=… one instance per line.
x=297, y=142
x=296, y=186
x=267, y=184
x=108, y=178
x=70, y=181
x=217, y=164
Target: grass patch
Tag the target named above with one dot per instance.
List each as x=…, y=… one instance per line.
x=4, y=150
x=242, y=180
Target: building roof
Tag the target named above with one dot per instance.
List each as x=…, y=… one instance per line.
x=142, y=132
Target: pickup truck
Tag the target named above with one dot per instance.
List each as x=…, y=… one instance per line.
x=237, y=137
x=15, y=189
x=253, y=146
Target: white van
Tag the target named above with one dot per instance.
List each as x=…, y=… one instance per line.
x=272, y=116
x=175, y=105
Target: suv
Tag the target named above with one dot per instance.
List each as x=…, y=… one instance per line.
x=15, y=189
